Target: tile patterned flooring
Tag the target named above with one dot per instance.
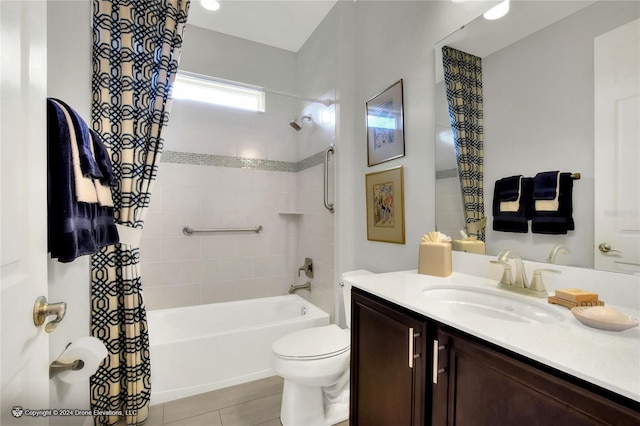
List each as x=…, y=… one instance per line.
x=249, y=404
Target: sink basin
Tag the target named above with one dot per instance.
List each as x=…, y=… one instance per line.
x=491, y=304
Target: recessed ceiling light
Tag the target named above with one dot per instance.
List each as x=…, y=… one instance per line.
x=497, y=11
x=210, y=4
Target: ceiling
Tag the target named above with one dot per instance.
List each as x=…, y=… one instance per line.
x=285, y=24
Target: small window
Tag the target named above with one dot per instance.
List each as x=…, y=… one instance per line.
x=218, y=92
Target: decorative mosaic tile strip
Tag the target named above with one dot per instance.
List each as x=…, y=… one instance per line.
x=449, y=173
x=177, y=157
x=308, y=162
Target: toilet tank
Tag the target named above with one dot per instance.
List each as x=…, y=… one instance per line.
x=346, y=291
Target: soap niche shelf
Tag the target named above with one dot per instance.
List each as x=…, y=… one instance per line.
x=291, y=213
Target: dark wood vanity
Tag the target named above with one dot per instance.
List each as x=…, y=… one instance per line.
x=407, y=369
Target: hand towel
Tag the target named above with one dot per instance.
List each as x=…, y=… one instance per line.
x=81, y=132
x=561, y=220
x=103, y=191
x=542, y=190
x=84, y=187
x=511, y=206
x=512, y=221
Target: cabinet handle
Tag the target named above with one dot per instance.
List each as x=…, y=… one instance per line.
x=436, y=349
x=410, y=347
x=412, y=356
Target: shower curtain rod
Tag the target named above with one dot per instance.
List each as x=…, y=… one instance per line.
x=326, y=102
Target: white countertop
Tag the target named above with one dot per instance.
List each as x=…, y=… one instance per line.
x=608, y=359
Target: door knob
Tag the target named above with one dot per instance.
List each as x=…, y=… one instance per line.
x=42, y=309
x=606, y=248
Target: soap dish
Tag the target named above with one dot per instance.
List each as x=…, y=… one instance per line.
x=604, y=318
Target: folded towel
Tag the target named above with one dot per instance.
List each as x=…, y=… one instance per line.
x=103, y=159
x=84, y=187
x=513, y=221
x=81, y=130
x=103, y=192
x=561, y=220
x=543, y=205
x=75, y=228
x=545, y=185
x=511, y=206
x=508, y=189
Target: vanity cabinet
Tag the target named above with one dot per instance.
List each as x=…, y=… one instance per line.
x=388, y=363
x=457, y=379
x=476, y=384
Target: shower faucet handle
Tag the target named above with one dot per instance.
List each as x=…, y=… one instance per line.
x=307, y=268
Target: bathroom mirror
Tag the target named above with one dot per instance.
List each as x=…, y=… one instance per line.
x=538, y=90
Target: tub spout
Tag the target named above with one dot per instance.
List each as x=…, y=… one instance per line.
x=294, y=288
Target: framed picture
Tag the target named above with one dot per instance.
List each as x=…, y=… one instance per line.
x=385, y=129
x=385, y=206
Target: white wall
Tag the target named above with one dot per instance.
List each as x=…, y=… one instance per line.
x=538, y=114
x=395, y=40
x=69, y=74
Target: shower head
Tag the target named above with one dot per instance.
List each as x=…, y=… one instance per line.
x=296, y=126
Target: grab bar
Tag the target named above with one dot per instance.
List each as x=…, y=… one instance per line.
x=187, y=230
x=327, y=205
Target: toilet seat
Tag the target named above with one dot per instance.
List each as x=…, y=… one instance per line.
x=313, y=343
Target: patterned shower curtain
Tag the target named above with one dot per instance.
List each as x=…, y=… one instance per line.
x=136, y=49
x=463, y=80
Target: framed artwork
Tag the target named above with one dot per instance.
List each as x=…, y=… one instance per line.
x=385, y=206
x=385, y=128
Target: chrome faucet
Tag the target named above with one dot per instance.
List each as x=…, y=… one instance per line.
x=294, y=288
x=558, y=248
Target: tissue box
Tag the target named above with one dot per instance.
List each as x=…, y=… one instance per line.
x=469, y=246
x=435, y=259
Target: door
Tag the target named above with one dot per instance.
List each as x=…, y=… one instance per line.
x=617, y=149
x=387, y=364
x=24, y=352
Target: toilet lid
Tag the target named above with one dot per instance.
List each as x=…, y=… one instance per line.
x=313, y=343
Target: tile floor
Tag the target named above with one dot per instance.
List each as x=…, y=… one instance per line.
x=249, y=404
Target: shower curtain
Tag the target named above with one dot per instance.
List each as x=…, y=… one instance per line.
x=463, y=80
x=136, y=49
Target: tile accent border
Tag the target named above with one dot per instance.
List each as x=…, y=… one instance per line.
x=178, y=157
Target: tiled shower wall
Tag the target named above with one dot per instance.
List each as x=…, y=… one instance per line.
x=226, y=168
x=181, y=270
x=207, y=191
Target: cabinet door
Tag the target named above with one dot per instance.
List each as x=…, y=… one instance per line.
x=387, y=364
x=478, y=385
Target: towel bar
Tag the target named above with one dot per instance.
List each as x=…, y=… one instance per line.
x=187, y=230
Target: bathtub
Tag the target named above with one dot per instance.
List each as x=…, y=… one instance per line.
x=201, y=348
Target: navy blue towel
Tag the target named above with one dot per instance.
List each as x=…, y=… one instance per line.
x=88, y=164
x=512, y=221
x=560, y=221
x=544, y=185
x=507, y=189
x=74, y=228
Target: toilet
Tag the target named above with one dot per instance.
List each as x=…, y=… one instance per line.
x=314, y=363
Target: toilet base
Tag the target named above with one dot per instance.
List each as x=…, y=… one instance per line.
x=308, y=405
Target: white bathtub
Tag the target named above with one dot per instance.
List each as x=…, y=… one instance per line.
x=202, y=348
